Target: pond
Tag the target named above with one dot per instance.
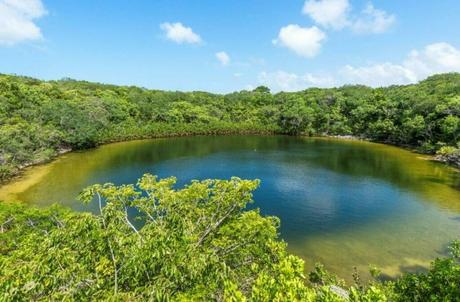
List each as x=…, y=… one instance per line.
x=343, y=203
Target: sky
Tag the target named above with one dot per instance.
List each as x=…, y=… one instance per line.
x=229, y=45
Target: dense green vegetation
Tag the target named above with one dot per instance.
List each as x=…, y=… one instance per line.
x=39, y=119
x=154, y=242
x=199, y=242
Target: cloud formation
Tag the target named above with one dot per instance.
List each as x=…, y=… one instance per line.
x=304, y=41
x=179, y=33
x=17, y=21
x=328, y=13
x=286, y=81
x=223, y=58
x=419, y=64
x=331, y=14
x=336, y=14
x=373, y=21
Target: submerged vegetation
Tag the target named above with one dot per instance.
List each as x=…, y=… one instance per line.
x=154, y=242
x=39, y=119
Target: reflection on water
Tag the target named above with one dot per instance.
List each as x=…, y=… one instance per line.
x=343, y=203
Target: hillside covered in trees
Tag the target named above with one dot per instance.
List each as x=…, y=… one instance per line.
x=200, y=242
x=39, y=119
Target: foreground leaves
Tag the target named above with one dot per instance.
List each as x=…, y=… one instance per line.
x=148, y=242
x=199, y=243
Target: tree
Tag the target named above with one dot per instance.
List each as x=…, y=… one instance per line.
x=296, y=118
x=450, y=127
x=262, y=89
x=80, y=114
x=190, y=243
x=156, y=243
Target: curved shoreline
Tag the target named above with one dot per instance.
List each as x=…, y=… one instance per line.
x=60, y=152
x=22, y=169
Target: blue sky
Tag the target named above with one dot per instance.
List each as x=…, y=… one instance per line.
x=223, y=46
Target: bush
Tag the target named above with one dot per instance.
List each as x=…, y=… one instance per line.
x=449, y=155
x=153, y=242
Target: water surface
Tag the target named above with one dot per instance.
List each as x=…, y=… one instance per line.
x=342, y=203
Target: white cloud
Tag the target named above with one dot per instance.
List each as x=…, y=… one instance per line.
x=336, y=14
x=328, y=13
x=382, y=74
x=179, y=33
x=373, y=21
x=285, y=81
x=17, y=19
x=223, y=58
x=434, y=58
x=304, y=41
x=418, y=65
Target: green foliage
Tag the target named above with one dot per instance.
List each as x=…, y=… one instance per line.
x=262, y=89
x=153, y=242
x=196, y=243
x=296, y=118
x=39, y=119
x=449, y=155
x=189, y=243
x=441, y=283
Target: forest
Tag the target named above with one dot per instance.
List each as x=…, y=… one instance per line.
x=40, y=119
x=199, y=242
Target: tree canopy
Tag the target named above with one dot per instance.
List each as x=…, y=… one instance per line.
x=152, y=241
x=39, y=119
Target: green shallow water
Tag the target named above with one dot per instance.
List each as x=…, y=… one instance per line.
x=342, y=203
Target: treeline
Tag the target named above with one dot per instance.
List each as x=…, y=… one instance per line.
x=39, y=119
x=198, y=243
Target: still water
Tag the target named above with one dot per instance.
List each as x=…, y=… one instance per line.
x=342, y=203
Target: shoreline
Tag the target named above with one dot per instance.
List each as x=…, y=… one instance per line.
x=21, y=169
